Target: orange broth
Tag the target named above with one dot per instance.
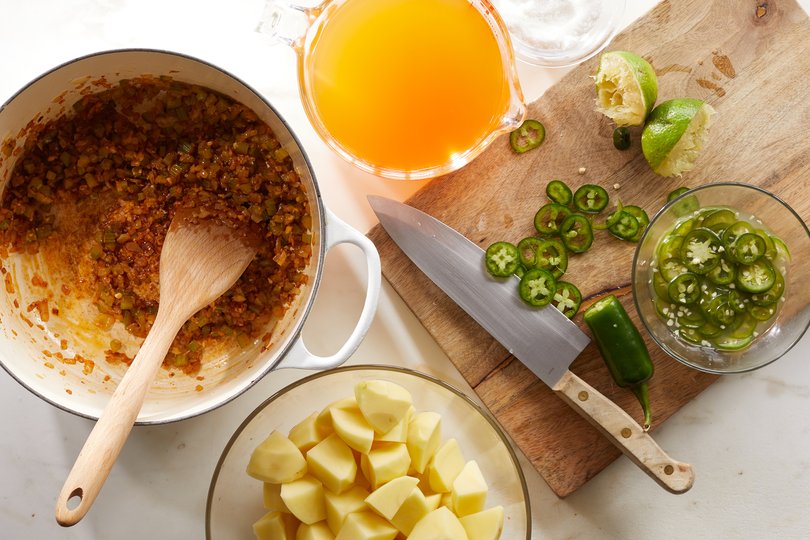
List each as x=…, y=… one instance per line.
x=408, y=84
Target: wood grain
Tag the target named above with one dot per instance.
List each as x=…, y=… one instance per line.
x=750, y=61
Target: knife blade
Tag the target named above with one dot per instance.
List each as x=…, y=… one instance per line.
x=543, y=339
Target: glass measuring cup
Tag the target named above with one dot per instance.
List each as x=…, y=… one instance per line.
x=404, y=89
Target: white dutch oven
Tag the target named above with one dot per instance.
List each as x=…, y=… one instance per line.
x=28, y=345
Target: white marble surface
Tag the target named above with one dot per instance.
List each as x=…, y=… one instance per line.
x=747, y=436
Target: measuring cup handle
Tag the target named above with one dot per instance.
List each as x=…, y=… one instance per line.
x=338, y=232
x=286, y=22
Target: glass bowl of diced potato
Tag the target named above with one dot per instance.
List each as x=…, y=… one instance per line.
x=368, y=452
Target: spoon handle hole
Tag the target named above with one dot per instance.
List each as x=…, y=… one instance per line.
x=75, y=499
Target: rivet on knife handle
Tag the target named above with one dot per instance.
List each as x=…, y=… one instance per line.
x=625, y=433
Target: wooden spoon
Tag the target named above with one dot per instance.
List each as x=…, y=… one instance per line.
x=200, y=260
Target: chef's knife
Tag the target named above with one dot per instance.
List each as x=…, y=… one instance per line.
x=544, y=339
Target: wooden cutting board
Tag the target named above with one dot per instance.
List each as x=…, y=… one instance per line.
x=750, y=60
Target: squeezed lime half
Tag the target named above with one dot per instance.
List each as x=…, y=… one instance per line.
x=626, y=88
x=674, y=135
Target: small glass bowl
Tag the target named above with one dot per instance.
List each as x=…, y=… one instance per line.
x=570, y=34
x=793, y=316
x=235, y=499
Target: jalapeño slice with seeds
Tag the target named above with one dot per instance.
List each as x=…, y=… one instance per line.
x=684, y=289
x=537, y=287
x=623, y=225
x=733, y=232
x=559, y=192
x=757, y=277
x=552, y=256
x=723, y=274
x=527, y=251
x=718, y=279
x=700, y=250
x=576, y=233
x=567, y=299
x=502, y=259
x=528, y=136
x=748, y=248
x=590, y=199
x=549, y=218
x=643, y=219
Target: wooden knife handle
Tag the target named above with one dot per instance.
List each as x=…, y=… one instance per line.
x=625, y=433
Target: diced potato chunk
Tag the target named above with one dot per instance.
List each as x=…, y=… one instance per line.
x=360, y=479
x=441, y=524
x=350, y=426
x=316, y=531
x=485, y=525
x=277, y=460
x=424, y=436
x=469, y=490
x=447, y=500
x=271, y=494
x=305, y=434
x=304, y=498
x=446, y=465
x=411, y=485
x=385, y=462
x=424, y=484
x=340, y=506
x=270, y=527
x=383, y=403
x=433, y=501
x=366, y=526
x=331, y=461
x=413, y=508
x=388, y=498
x=275, y=526
x=323, y=422
x=398, y=433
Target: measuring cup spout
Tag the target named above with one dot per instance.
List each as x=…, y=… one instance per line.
x=515, y=114
x=285, y=22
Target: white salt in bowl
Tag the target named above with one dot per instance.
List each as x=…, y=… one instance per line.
x=560, y=33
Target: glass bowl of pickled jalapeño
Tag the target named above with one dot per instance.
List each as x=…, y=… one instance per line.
x=404, y=89
x=720, y=278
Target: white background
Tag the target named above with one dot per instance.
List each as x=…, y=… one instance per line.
x=747, y=436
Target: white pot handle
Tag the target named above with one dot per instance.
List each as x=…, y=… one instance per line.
x=338, y=232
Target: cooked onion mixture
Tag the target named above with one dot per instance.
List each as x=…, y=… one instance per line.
x=95, y=191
